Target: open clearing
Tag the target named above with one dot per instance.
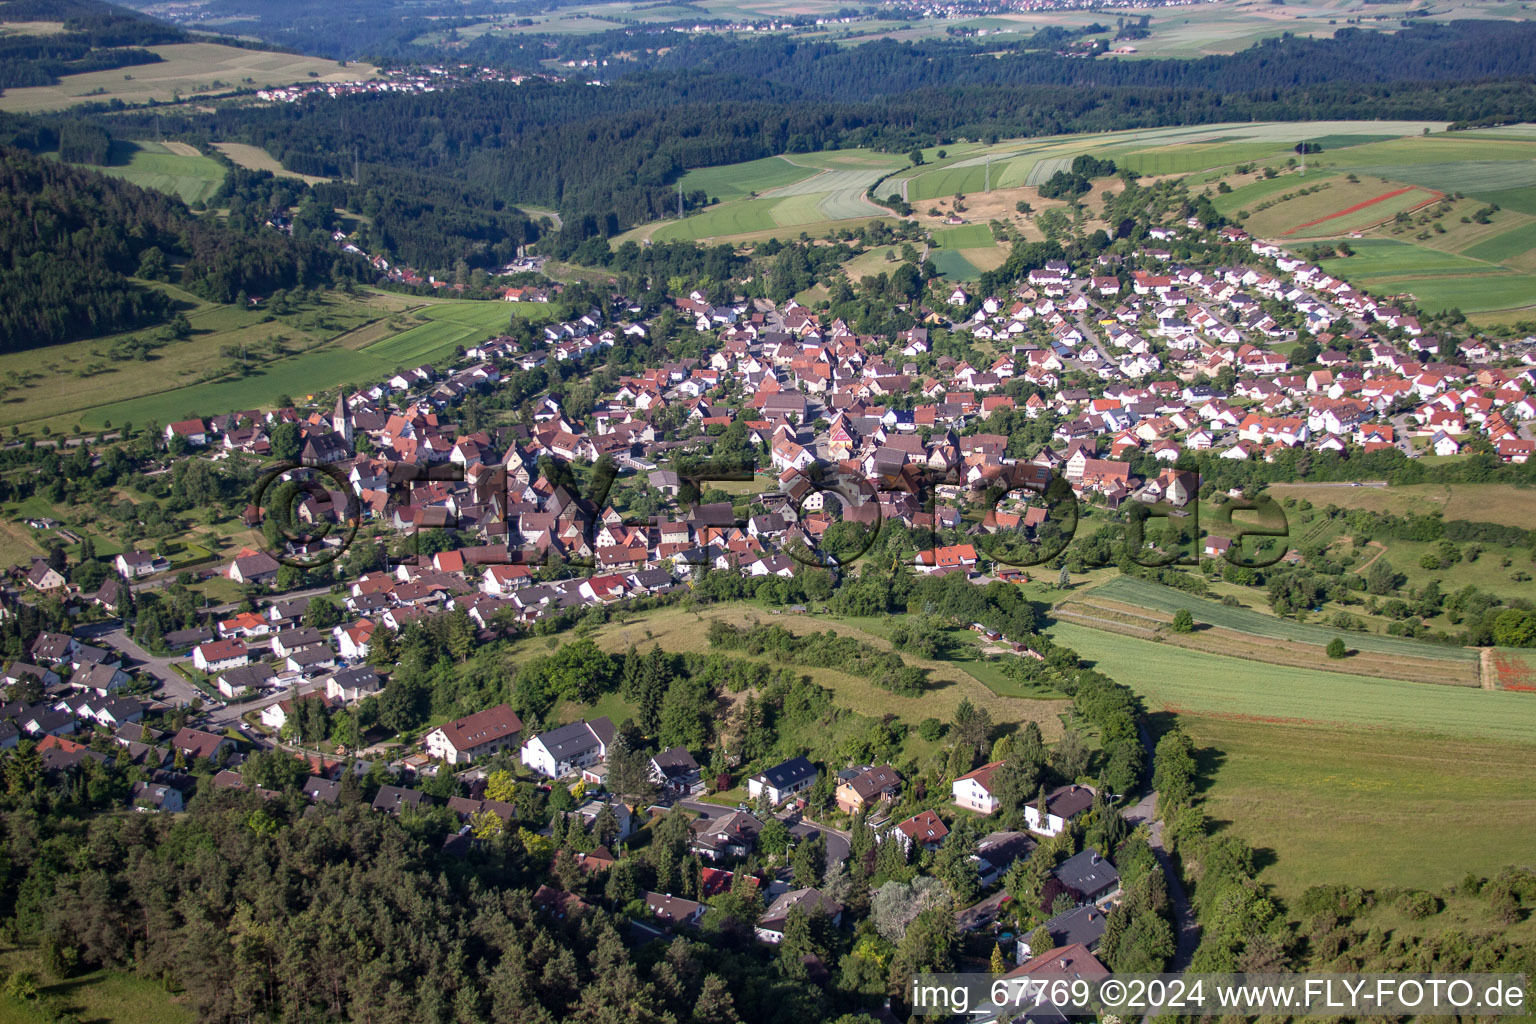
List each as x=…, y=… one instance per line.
x=1479, y=503
x=186, y=69
x=92, y=996
x=1318, y=798
x=257, y=159
x=174, y=167
x=1179, y=680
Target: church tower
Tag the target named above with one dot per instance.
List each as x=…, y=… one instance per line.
x=341, y=418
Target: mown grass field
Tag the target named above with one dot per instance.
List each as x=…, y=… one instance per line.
x=968, y=236
x=186, y=69
x=97, y=996
x=810, y=192
x=736, y=181
x=257, y=159
x=1364, y=806
x=1178, y=680
x=191, y=176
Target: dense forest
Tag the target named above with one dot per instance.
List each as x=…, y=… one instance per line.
x=71, y=238
x=607, y=158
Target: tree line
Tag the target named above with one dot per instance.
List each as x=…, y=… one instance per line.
x=72, y=238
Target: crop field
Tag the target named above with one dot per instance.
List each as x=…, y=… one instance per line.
x=1514, y=669
x=1183, y=681
x=1471, y=294
x=257, y=159
x=1182, y=159
x=1441, y=255
x=1377, y=258
x=736, y=181
x=812, y=192
x=1316, y=798
x=1513, y=243
x=185, y=69
x=1365, y=212
x=156, y=165
x=803, y=191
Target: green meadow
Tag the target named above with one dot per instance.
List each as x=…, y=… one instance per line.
x=1180, y=680
x=191, y=176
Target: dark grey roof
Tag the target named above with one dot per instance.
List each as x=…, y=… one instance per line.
x=324, y=790
x=1088, y=873
x=1080, y=924
x=247, y=675
x=569, y=741
x=791, y=772
x=392, y=798
x=364, y=676
x=675, y=762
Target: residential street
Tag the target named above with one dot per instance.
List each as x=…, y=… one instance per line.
x=173, y=689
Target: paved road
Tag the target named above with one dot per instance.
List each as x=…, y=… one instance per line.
x=1186, y=930
x=172, y=687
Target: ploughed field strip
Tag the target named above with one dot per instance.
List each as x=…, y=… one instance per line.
x=1113, y=616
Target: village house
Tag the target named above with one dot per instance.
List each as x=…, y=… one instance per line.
x=566, y=750
x=783, y=780
x=973, y=789
x=473, y=736
x=867, y=788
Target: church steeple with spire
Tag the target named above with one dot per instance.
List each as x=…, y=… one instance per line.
x=341, y=418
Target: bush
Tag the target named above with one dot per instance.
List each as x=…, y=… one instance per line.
x=930, y=729
x=1416, y=905
x=1336, y=648
x=1183, y=621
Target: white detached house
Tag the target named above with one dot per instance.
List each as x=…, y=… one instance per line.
x=973, y=790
